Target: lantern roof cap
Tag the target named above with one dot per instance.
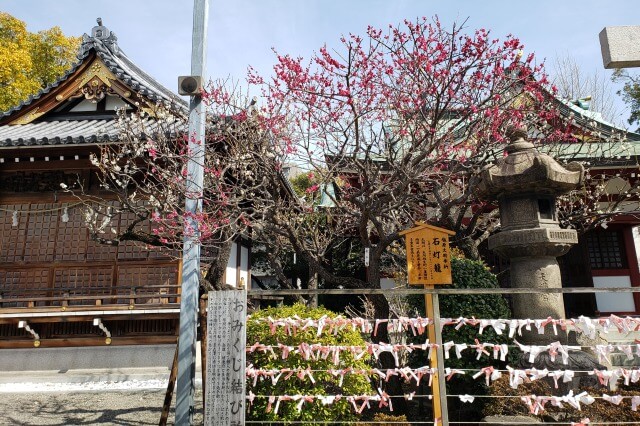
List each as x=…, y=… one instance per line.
x=526, y=170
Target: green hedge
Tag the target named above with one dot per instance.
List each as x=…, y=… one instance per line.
x=467, y=274
x=326, y=383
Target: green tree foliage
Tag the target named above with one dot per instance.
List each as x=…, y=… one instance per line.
x=30, y=61
x=326, y=383
x=302, y=182
x=630, y=93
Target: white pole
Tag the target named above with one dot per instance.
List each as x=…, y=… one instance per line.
x=191, y=251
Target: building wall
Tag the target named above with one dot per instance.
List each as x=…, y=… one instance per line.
x=612, y=258
x=100, y=357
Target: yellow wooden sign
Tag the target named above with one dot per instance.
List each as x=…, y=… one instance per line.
x=428, y=254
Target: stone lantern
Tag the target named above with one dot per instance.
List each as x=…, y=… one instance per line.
x=526, y=183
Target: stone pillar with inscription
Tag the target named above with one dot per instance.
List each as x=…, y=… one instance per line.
x=526, y=182
x=226, y=357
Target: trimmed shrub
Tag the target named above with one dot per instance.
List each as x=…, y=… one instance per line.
x=325, y=383
x=469, y=274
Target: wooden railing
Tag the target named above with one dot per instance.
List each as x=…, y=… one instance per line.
x=126, y=295
x=107, y=285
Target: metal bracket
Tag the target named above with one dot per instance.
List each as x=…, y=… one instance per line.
x=98, y=323
x=36, y=336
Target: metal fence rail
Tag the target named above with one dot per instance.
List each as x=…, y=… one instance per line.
x=404, y=291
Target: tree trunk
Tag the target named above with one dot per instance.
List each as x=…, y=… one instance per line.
x=312, y=302
x=219, y=265
x=381, y=307
x=469, y=247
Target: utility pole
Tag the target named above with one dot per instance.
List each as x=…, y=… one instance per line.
x=185, y=391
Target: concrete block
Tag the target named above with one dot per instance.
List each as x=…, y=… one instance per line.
x=620, y=46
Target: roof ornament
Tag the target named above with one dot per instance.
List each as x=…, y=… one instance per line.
x=100, y=31
x=101, y=37
x=518, y=138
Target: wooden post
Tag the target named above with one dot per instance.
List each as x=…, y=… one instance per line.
x=433, y=362
x=438, y=384
x=428, y=263
x=168, y=396
x=202, y=314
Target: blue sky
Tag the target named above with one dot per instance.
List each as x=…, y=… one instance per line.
x=156, y=34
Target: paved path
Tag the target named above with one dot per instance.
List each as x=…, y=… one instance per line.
x=108, y=407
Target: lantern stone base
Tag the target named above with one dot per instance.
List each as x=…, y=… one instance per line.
x=510, y=420
x=537, y=272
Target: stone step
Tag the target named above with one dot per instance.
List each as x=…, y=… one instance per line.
x=617, y=337
x=621, y=360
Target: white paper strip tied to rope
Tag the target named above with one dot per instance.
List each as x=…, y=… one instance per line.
x=535, y=403
x=583, y=422
x=490, y=374
x=614, y=399
x=466, y=398
x=603, y=352
x=516, y=376
x=15, y=214
x=313, y=351
x=275, y=375
x=605, y=377
x=584, y=325
x=359, y=402
x=499, y=350
x=450, y=372
x=565, y=375
x=332, y=352
x=554, y=349
x=418, y=326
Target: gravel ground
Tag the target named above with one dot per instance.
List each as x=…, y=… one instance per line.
x=105, y=407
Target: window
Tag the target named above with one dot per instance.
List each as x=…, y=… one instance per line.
x=606, y=250
x=545, y=207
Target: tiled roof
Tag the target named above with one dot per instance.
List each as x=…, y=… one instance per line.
x=594, y=122
x=129, y=73
x=67, y=132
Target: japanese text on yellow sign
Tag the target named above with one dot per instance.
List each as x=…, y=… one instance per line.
x=428, y=255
